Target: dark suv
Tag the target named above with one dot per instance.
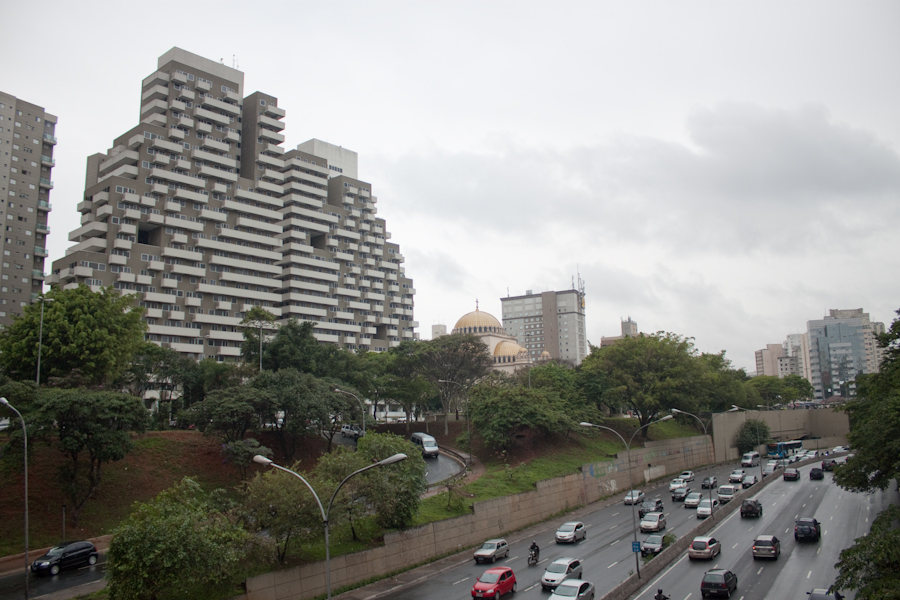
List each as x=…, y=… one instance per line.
x=751, y=508
x=649, y=506
x=828, y=464
x=816, y=473
x=718, y=582
x=807, y=529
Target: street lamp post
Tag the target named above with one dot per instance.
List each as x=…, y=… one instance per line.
x=5, y=402
x=637, y=563
x=43, y=299
x=325, y=513
x=362, y=406
x=758, y=442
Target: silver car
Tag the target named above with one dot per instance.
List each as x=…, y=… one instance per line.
x=693, y=499
x=571, y=532
x=706, y=509
x=560, y=570
x=653, y=522
x=491, y=550
x=573, y=589
x=634, y=497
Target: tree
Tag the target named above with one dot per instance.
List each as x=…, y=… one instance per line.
x=393, y=490
x=798, y=388
x=200, y=378
x=93, y=333
x=177, y=546
x=293, y=346
x=769, y=387
x=450, y=362
x=647, y=373
x=255, y=320
x=499, y=413
x=750, y=435
x=91, y=428
x=721, y=386
x=396, y=378
x=230, y=412
x=241, y=452
x=872, y=565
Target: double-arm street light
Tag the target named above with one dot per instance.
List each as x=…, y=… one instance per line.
x=630, y=477
x=735, y=407
x=325, y=513
x=5, y=402
x=362, y=406
x=43, y=299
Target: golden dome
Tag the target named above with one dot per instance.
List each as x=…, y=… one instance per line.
x=508, y=349
x=478, y=322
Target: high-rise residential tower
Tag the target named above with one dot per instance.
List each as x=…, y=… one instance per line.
x=201, y=212
x=842, y=346
x=27, y=138
x=551, y=322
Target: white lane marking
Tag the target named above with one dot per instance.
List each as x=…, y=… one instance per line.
x=735, y=546
x=804, y=505
x=589, y=525
x=615, y=542
x=808, y=574
x=788, y=529
x=818, y=550
x=760, y=570
x=831, y=518
x=824, y=532
x=530, y=588
x=509, y=558
x=460, y=581
x=615, y=514
x=810, y=495
x=798, y=516
x=612, y=565
x=614, y=526
x=688, y=596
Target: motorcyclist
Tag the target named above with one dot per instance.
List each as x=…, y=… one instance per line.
x=534, y=549
x=660, y=595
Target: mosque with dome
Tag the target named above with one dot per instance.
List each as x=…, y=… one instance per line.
x=507, y=354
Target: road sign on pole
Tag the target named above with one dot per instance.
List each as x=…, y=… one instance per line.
x=635, y=546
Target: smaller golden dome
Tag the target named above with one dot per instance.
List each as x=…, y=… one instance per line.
x=508, y=349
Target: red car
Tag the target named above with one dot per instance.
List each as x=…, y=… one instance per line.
x=494, y=583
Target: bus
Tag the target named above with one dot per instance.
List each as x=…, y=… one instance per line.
x=784, y=449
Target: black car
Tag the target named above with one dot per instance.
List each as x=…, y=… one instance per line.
x=649, y=506
x=709, y=483
x=807, y=529
x=828, y=464
x=680, y=493
x=718, y=582
x=816, y=473
x=64, y=556
x=751, y=508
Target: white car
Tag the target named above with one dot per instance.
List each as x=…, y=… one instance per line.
x=687, y=475
x=736, y=476
x=705, y=509
x=726, y=493
x=653, y=522
x=560, y=570
x=693, y=499
x=634, y=497
x=839, y=449
x=571, y=532
x=677, y=483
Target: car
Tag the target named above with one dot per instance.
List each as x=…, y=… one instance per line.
x=791, y=475
x=709, y=483
x=736, y=476
x=649, y=506
x=491, y=550
x=766, y=546
x=653, y=522
x=687, y=475
x=679, y=494
x=718, y=582
x=705, y=509
x=816, y=473
x=782, y=462
x=693, y=499
x=654, y=544
x=65, y=556
x=634, y=497
x=704, y=547
x=806, y=528
x=560, y=570
x=838, y=449
x=677, y=483
x=573, y=589
x=796, y=458
x=751, y=508
x=726, y=493
x=769, y=470
x=352, y=430
x=571, y=532
x=828, y=464
x=823, y=594
x=494, y=582
x=748, y=481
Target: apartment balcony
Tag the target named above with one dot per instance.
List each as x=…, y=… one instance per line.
x=188, y=195
x=233, y=136
x=156, y=119
x=215, y=158
x=48, y=161
x=225, y=107
x=212, y=144
x=204, y=127
x=176, y=134
x=38, y=274
x=269, y=122
x=274, y=149
x=269, y=187
x=202, y=113
x=178, y=105
x=46, y=184
x=268, y=200
x=171, y=147
x=129, y=157
x=45, y=206
x=179, y=78
x=186, y=94
x=218, y=173
x=155, y=107
x=277, y=176
x=49, y=139
x=271, y=136
x=40, y=251
x=202, y=85
x=273, y=111
x=156, y=78
x=271, y=161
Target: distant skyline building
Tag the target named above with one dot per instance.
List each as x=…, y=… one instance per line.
x=842, y=346
x=27, y=141
x=767, y=360
x=201, y=212
x=551, y=322
x=794, y=359
x=629, y=329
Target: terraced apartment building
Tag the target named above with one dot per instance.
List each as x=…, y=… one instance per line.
x=200, y=211
x=27, y=141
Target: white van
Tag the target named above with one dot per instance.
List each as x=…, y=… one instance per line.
x=750, y=459
x=426, y=444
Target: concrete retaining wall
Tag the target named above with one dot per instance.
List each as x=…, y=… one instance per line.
x=491, y=518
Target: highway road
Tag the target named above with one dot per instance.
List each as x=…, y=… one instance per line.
x=802, y=566
x=12, y=587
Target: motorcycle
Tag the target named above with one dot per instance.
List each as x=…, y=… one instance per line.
x=532, y=557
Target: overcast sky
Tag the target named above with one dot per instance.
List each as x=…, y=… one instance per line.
x=721, y=170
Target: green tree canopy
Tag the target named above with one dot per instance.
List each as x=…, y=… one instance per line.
x=750, y=435
x=500, y=413
x=90, y=428
x=649, y=374
x=92, y=333
x=177, y=546
x=229, y=412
